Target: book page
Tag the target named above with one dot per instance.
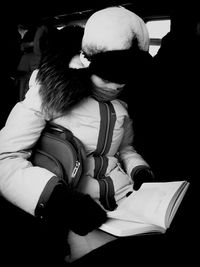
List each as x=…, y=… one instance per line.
x=126, y=228
x=175, y=203
x=149, y=204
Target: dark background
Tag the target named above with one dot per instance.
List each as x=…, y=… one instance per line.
x=31, y=11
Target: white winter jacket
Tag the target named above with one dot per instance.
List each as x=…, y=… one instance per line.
x=23, y=184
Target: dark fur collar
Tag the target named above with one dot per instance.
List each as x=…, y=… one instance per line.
x=62, y=88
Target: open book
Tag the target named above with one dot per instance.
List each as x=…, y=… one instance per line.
x=150, y=209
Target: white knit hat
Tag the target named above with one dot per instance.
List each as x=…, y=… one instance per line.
x=114, y=28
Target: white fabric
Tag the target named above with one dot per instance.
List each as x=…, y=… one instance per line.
x=114, y=28
x=20, y=182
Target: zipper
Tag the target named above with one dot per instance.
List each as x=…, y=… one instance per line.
x=76, y=168
x=107, y=129
x=100, y=167
x=106, y=194
x=107, y=123
x=108, y=119
x=74, y=155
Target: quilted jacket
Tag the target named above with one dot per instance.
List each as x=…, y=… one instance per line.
x=108, y=145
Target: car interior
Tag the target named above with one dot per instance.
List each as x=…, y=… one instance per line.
x=162, y=100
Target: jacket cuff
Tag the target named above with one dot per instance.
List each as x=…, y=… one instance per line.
x=107, y=193
x=45, y=195
x=137, y=169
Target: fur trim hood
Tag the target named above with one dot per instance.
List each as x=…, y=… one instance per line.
x=61, y=87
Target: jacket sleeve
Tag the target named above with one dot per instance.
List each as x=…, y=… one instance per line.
x=129, y=156
x=20, y=182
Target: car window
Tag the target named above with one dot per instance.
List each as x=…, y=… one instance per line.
x=157, y=30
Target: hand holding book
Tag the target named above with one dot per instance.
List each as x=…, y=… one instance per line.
x=142, y=175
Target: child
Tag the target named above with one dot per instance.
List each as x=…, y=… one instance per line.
x=84, y=101
x=99, y=120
